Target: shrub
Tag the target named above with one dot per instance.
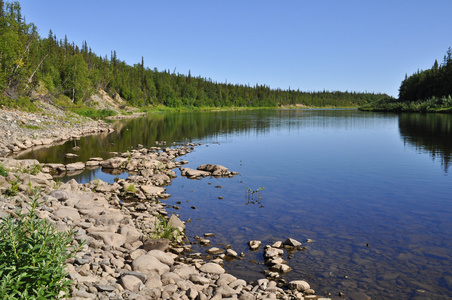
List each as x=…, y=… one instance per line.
x=32, y=256
x=3, y=171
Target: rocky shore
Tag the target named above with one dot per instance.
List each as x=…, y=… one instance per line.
x=23, y=130
x=132, y=248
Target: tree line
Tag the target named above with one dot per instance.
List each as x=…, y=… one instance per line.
x=434, y=82
x=28, y=61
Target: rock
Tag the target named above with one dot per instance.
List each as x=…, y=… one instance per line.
x=114, y=163
x=148, y=263
x=67, y=212
x=157, y=244
x=185, y=271
x=299, y=285
x=190, y=173
x=59, y=195
x=162, y=257
x=152, y=190
x=130, y=233
x=75, y=166
x=231, y=253
x=131, y=283
x=211, y=268
x=226, y=279
x=215, y=170
x=292, y=243
x=175, y=222
x=109, y=238
x=215, y=251
x=254, y=245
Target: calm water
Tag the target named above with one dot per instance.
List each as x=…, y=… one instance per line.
x=372, y=190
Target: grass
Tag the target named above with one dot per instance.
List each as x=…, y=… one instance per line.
x=30, y=126
x=32, y=256
x=164, y=231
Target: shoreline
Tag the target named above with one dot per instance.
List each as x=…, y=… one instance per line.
x=116, y=228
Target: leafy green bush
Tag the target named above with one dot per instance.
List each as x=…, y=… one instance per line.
x=3, y=171
x=95, y=113
x=32, y=256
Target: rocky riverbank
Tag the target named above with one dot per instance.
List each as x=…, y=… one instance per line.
x=132, y=248
x=23, y=130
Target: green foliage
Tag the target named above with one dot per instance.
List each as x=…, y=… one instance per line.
x=433, y=104
x=163, y=230
x=13, y=190
x=3, y=171
x=131, y=189
x=434, y=82
x=32, y=256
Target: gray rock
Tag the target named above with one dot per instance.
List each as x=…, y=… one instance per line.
x=67, y=212
x=131, y=283
x=59, y=195
x=211, y=268
x=162, y=257
x=153, y=282
x=147, y=263
x=299, y=285
x=157, y=244
x=109, y=238
x=175, y=222
x=292, y=243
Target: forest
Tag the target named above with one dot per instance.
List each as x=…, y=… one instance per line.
x=424, y=91
x=59, y=69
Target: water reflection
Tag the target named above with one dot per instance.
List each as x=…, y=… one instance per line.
x=431, y=133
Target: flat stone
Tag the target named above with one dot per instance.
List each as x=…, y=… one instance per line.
x=148, y=263
x=109, y=238
x=212, y=268
x=67, y=212
x=75, y=166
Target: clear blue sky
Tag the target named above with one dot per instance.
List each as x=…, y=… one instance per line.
x=354, y=45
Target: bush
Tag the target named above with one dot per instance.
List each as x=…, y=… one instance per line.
x=3, y=171
x=32, y=256
x=95, y=113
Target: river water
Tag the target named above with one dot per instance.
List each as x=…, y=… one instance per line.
x=372, y=190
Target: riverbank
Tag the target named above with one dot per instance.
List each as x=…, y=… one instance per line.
x=119, y=259
x=23, y=130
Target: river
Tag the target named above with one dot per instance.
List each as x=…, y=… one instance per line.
x=372, y=190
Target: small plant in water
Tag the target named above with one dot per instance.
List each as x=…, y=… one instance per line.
x=254, y=196
x=32, y=256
